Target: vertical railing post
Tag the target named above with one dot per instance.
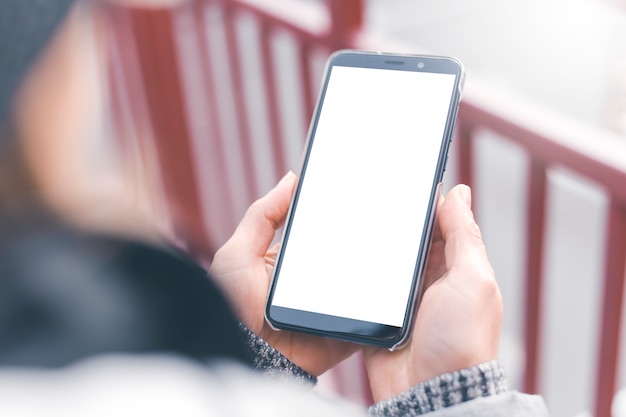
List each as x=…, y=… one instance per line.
x=465, y=153
x=154, y=35
x=277, y=137
x=615, y=269
x=535, y=219
x=306, y=85
x=346, y=19
x=239, y=97
x=216, y=135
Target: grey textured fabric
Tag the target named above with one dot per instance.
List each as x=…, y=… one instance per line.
x=510, y=404
x=271, y=362
x=477, y=391
x=446, y=390
x=26, y=26
x=480, y=391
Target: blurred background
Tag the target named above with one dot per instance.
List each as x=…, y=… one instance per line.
x=570, y=55
x=204, y=104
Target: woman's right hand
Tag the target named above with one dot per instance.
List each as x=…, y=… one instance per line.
x=459, y=318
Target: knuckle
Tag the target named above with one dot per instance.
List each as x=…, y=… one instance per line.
x=254, y=208
x=475, y=232
x=491, y=295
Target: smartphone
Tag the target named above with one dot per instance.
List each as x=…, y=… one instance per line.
x=357, y=234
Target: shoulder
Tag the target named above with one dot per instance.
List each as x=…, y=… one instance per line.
x=68, y=294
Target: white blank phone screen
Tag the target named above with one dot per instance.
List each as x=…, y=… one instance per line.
x=356, y=232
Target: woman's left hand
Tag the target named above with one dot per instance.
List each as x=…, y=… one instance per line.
x=243, y=268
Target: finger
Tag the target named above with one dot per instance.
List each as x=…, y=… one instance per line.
x=465, y=249
x=270, y=255
x=436, y=229
x=435, y=262
x=266, y=215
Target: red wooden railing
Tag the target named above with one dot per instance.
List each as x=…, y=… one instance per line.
x=593, y=153
x=147, y=42
x=164, y=58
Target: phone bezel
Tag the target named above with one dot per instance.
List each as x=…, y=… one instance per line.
x=342, y=328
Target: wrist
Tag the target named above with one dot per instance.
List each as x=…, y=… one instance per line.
x=445, y=390
x=270, y=361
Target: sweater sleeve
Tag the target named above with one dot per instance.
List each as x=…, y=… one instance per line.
x=271, y=362
x=446, y=390
x=484, y=380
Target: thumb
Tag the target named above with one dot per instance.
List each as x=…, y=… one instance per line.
x=464, y=247
x=265, y=216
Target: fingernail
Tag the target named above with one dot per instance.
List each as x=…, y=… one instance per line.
x=287, y=176
x=466, y=195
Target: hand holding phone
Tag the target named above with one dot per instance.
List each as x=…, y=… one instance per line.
x=356, y=239
x=459, y=320
x=242, y=267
